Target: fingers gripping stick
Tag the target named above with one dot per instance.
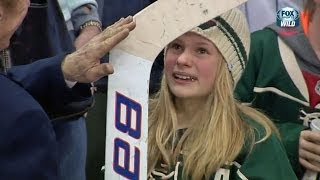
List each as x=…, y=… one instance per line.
x=127, y=106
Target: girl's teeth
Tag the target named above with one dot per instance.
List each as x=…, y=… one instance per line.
x=185, y=77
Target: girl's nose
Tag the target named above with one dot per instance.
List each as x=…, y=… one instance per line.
x=184, y=59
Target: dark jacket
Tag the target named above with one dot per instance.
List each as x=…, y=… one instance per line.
x=30, y=96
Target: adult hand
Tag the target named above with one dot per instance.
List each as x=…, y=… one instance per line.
x=85, y=35
x=84, y=64
x=309, y=150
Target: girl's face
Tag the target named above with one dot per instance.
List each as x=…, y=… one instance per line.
x=10, y=21
x=190, y=66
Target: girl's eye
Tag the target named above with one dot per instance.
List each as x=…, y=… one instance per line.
x=175, y=46
x=202, y=51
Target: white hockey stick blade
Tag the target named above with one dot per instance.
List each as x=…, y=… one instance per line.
x=128, y=87
x=163, y=21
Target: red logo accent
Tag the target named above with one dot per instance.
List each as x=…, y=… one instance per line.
x=288, y=32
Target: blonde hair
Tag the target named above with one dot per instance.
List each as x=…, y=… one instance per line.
x=211, y=142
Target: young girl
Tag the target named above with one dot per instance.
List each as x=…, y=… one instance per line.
x=196, y=128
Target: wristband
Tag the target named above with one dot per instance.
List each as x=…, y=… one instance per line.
x=91, y=23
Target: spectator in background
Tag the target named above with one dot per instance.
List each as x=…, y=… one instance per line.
x=82, y=19
x=282, y=79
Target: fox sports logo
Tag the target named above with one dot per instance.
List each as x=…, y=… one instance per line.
x=288, y=17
